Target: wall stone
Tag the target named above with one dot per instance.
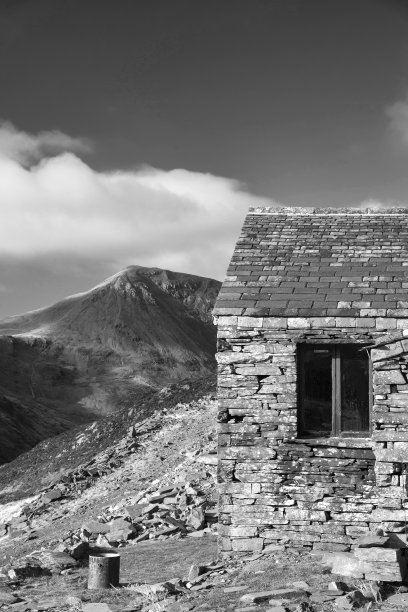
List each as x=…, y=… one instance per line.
x=315, y=493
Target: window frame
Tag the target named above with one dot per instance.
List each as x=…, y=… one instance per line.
x=335, y=349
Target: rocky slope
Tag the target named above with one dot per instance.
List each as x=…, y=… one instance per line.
x=146, y=488
x=98, y=351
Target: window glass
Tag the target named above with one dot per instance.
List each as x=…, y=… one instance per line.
x=316, y=391
x=354, y=390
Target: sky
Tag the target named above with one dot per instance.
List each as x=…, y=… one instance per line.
x=139, y=132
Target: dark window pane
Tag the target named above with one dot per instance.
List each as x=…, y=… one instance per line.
x=316, y=391
x=354, y=390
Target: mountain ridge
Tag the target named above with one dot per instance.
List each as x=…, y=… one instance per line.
x=89, y=354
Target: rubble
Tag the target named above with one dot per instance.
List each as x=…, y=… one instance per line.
x=159, y=511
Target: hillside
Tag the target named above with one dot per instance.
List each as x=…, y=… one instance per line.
x=95, y=352
x=145, y=487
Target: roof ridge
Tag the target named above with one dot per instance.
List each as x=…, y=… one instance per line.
x=322, y=211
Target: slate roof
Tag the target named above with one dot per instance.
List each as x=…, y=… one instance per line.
x=319, y=262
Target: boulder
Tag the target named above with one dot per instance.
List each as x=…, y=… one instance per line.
x=79, y=550
x=196, y=518
x=51, y=496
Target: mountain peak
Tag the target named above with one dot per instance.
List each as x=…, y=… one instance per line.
x=88, y=354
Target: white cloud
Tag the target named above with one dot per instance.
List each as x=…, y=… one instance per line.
x=28, y=148
x=397, y=114
x=60, y=207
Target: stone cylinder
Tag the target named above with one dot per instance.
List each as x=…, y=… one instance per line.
x=103, y=570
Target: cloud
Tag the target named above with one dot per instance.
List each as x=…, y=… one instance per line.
x=28, y=148
x=397, y=114
x=60, y=209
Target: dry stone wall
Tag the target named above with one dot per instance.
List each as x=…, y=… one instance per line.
x=320, y=493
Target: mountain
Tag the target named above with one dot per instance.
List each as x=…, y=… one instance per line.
x=96, y=352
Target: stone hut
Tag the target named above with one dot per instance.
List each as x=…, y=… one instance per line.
x=313, y=379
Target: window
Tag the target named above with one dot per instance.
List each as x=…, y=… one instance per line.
x=333, y=390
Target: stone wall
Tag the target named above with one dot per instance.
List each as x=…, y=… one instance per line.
x=322, y=493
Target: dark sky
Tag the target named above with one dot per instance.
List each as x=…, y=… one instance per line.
x=303, y=101
x=286, y=95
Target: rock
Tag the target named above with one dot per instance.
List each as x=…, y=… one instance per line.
x=198, y=579
x=159, y=588
x=344, y=603
x=195, y=571
x=16, y=532
x=102, y=541
x=322, y=597
x=170, y=501
x=211, y=514
x=256, y=597
x=344, y=564
x=273, y=548
x=51, y=496
x=79, y=550
x=261, y=596
x=120, y=530
x=236, y=589
x=141, y=537
x=336, y=587
x=7, y=596
x=399, y=599
x=96, y=527
x=351, y=600
x=74, y=602
x=120, y=523
x=163, y=532
x=305, y=606
x=49, y=604
x=156, y=499
x=198, y=534
x=385, y=572
x=286, y=593
x=200, y=587
x=301, y=584
x=196, y=518
x=379, y=554
x=208, y=459
x=96, y=607
x=371, y=590
x=177, y=523
x=372, y=540
x=28, y=570
x=179, y=607
x=51, y=560
x=115, y=537
x=138, y=510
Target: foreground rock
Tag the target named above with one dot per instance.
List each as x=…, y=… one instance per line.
x=376, y=558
